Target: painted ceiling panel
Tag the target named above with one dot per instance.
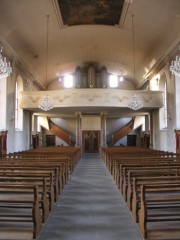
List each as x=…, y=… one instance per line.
x=79, y=12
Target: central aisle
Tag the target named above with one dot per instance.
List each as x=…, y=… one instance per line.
x=90, y=207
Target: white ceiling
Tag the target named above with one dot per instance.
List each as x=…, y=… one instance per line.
x=23, y=27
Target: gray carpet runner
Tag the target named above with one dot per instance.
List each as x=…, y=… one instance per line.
x=91, y=207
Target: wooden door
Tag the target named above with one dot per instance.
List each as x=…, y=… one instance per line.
x=35, y=141
x=177, y=141
x=3, y=140
x=50, y=140
x=91, y=141
x=131, y=140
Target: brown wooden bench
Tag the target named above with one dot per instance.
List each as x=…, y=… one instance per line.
x=160, y=204
x=144, y=162
x=25, y=203
x=134, y=197
x=50, y=174
x=61, y=172
x=125, y=180
x=45, y=188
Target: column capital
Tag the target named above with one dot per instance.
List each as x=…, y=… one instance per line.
x=103, y=113
x=78, y=114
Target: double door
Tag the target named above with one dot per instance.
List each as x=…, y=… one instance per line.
x=91, y=141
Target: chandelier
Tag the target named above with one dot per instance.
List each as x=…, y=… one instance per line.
x=46, y=104
x=5, y=68
x=175, y=66
x=136, y=103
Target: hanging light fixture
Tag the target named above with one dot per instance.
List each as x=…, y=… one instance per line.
x=136, y=103
x=5, y=67
x=175, y=65
x=46, y=104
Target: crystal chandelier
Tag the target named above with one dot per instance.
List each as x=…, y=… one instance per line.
x=46, y=104
x=5, y=68
x=175, y=66
x=136, y=103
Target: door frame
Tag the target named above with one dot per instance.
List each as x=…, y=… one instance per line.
x=92, y=148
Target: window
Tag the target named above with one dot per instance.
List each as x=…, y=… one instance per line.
x=3, y=102
x=165, y=105
x=154, y=83
x=163, y=110
x=18, y=110
x=113, y=81
x=68, y=81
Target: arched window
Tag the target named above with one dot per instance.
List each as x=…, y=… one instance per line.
x=18, y=110
x=163, y=110
x=3, y=102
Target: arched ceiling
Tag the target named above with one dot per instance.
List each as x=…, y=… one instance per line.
x=94, y=31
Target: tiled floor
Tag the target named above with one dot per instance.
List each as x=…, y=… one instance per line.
x=90, y=207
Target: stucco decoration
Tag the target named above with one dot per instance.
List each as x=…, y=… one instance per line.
x=91, y=97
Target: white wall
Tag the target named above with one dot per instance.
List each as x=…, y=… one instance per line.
x=91, y=123
x=164, y=139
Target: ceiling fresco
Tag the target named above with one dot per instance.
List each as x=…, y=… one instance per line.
x=79, y=12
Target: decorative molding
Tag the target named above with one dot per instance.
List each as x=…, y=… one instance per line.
x=120, y=99
x=61, y=99
x=106, y=97
x=91, y=97
x=34, y=99
x=147, y=99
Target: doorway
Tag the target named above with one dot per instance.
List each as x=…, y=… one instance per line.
x=131, y=140
x=91, y=141
x=50, y=140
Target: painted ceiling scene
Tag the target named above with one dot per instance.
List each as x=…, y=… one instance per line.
x=128, y=37
x=76, y=12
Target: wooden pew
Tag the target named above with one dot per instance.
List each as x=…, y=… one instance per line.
x=48, y=168
x=45, y=190
x=144, y=162
x=160, y=204
x=27, y=172
x=135, y=196
x=20, y=198
x=128, y=172
x=60, y=174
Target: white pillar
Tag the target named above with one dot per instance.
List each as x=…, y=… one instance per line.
x=103, y=129
x=177, y=101
x=78, y=129
x=147, y=124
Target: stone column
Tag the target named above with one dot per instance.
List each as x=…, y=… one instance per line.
x=103, y=129
x=147, y=124
x=151, y=130
x=78, y=130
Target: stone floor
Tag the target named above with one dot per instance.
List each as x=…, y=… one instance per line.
x=91, y=207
